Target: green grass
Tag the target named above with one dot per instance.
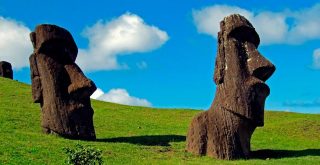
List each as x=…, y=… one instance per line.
x=139, y=135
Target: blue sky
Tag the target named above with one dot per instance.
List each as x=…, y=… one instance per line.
x=162, y=53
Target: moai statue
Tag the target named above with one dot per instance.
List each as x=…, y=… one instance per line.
x=6, y=70
x=224, y=131
x=59, y=85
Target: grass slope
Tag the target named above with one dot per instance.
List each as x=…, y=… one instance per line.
x=139, y=135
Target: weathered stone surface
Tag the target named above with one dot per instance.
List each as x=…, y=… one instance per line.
x=59, y=85
x=6, y=70
x=224, y=131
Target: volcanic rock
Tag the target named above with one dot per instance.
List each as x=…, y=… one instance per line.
x=225, y=130
x=6, y=70
x=59, y=85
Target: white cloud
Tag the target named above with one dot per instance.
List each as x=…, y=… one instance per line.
x=303, y=103
x=123, y=35
x=120, y=96
x=307, y=23
x=316, y=58
x=142, y=65
x=208, y=19
x=15, y=45
x=98, y=93
x=273, y=27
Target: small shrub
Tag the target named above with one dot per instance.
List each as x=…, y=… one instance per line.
x=83, y=155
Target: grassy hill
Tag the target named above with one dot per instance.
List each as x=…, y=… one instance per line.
x=139, y=135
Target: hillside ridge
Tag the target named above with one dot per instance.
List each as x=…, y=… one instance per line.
x=141, y=135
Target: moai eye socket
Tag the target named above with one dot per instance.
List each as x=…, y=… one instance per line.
x=58, y=49
x=245, y=34
x=51, y=39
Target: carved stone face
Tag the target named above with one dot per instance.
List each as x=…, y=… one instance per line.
x=59, y=85
x=241, y=71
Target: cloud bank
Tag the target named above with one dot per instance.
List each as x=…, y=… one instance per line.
x=316, y=58
x=286, y=27
x=107, y=40
x=313, y=103
x=123, y=35
x=120, y=96
x=15, y=45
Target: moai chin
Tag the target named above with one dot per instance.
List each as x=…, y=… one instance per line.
x=224, y=131
x=59, y=85
x=6, y=70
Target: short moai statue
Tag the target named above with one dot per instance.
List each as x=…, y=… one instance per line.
x=59, y=85
x=225, y=130
x=6, y=70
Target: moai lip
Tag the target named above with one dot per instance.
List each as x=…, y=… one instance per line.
x=59, y=85
x=224, y=131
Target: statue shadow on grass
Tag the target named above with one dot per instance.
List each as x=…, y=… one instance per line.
x=147, y=140
x=278, y=154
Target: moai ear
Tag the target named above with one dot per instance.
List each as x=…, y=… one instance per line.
x=36, y=81
x=33, y=39
x=220, y=61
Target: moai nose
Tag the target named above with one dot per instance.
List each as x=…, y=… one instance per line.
x=258, y=66
x=81, y=86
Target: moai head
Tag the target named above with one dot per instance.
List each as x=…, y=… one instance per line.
x=6, y=70
x=59, y=85
x=240, y=70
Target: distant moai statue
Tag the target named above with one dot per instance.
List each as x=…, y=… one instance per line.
x=6, y=70
x=59, y=85
x=224, y=131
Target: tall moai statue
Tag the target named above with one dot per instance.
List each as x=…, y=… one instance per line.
x=224, y=131
x=6, y=70
x=59, y=85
